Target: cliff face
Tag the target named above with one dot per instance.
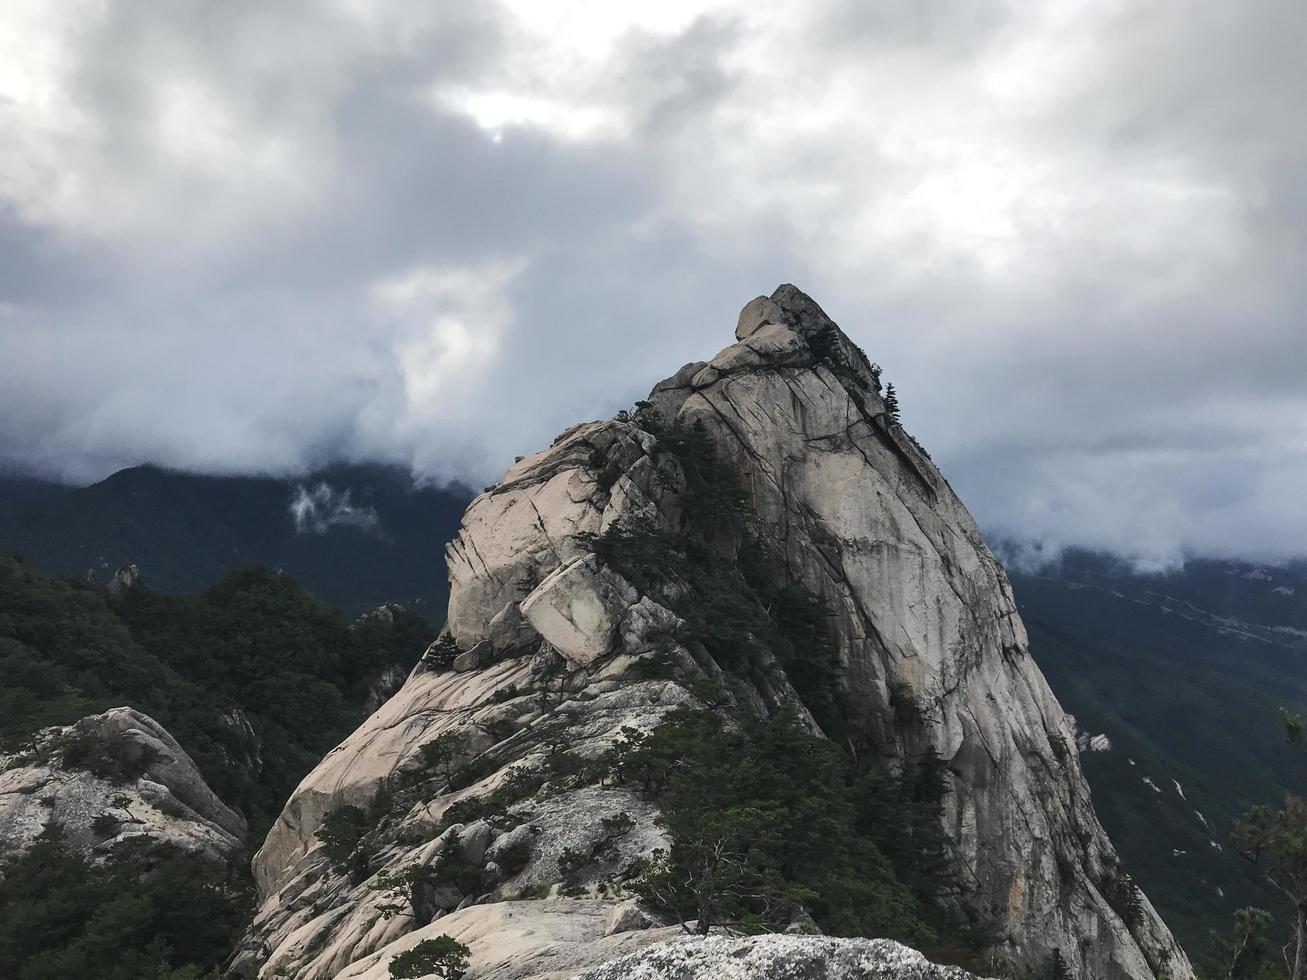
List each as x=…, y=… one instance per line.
x=866, y=520
x=548, y=645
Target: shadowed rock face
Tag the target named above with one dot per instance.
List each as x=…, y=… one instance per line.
x=549, y=643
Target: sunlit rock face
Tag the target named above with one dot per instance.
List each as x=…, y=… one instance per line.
x=545, y=646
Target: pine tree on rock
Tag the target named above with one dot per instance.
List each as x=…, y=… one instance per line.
x=892, y=404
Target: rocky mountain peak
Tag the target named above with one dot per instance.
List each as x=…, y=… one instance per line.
x=642, y=564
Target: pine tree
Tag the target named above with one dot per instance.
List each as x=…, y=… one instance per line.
x=892, y=404
x=443, y=957
x=1244, y=955
x=1276, y=841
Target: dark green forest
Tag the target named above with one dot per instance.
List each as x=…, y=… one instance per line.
x=257, y=647
x=147, y=912
x=257, y=643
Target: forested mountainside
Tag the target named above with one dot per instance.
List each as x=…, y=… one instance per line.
x=147, y=741
x=1184, y=672
x=742, y=655
x=356, y=536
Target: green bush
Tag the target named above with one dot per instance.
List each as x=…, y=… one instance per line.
x=444, y=957
x=440, y=656
x=1246, y=955
x=1121, y=892
x=444, y=754
x=513, y=858
x=107, y=758
x=406, y=886
x=519, y=784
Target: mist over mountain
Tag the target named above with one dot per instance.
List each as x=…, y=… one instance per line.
x=357, y=536
x=1072, y=235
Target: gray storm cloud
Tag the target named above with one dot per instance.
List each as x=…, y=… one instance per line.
x=251, y=237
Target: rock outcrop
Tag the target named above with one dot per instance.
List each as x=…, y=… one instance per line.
x=553, y=940
x=110, y=778
x=774, y=958
x=548, y=647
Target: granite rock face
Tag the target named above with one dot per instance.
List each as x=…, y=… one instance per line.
x=134, y=781
x=774, y=958
x=546, y=647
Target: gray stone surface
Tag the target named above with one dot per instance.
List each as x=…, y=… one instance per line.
x=774, y=958
x=578, y=607
x=168, y=802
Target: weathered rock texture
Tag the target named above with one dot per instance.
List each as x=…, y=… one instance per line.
x=774, y=958
x=160, y=794
x=551, y=939
x=545, y=645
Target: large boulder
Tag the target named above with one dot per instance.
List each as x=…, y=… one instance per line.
x=578, y=609
x=109, y=778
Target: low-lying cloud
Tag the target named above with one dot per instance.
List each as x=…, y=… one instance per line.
x=320, y=508
x=252, y=237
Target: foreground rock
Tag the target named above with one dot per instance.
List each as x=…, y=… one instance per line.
x=546, y=648
x=110, y=778
x=774, y=958
x=552, y=939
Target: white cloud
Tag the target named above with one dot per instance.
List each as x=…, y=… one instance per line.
x=320, y=508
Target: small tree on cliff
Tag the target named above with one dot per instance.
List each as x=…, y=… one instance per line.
x=892, y=404
x=1276, y=841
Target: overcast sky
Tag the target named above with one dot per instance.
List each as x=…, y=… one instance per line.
x=260, y=236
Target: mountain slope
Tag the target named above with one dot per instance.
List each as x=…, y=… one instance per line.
x=356, y=536
x=122, y=847
x=759, y=549
x=1184, y=672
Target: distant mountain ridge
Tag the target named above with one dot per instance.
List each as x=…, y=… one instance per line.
x=356, y=535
